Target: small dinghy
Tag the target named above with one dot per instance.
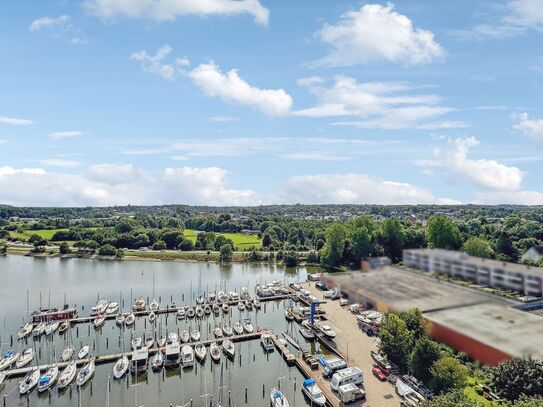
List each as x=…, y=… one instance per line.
x=49, y=379
x=200, y=352
x=83, y=352
x=228, y=348
x=157, y=361
x=119, y=319
x=248, y=327
x=215, y=351
x=63, y=327
x=86, y=373
x=238, y=328
x=195, y=335
x=130, y=319
x=67, y=354
x=278, y=399
x=121, y=367
x=25, y=358
x=217, y=331
x=29, y=382
x=185, y=336
x=67, y=376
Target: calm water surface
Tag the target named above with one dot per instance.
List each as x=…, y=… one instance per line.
x=82, y=282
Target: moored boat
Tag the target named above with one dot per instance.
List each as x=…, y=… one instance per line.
x=267, y=342
x=313, y=392
x=99, y=308
x=83, y=352
x=121, y=367
x=187, y=356
x=225, y=308
x=38, y=329
x=200, y=351
x=190, y=312
x=181, y=313
x=25, y=358
x=139, y=305
x=157, y=361
x=149, y=342
x=152, y=317
x=130, y=319
x=247, y=326
x=9, y=358
x=185, y=336
x=227, y=329
x=136, y=342
x=217, y=331
x=67, y=376
x=67, y=354
x=29, y=382
x=195, y=335
x=99, y=321
x=216, y=309
x=112, y=308
x=140, y=357
x=278, y=399
x=215, y=351
x=25, y=330
x=228, y=348
x=63, y=327
x=86, y=373
x=119, y=319
x=289, y=316
x=161, y=341
x=199, y=311
x=154, y=306
x=237, y=327
x=48, y=379
x=307, y=333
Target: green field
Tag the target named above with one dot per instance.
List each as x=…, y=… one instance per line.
x=43, y=233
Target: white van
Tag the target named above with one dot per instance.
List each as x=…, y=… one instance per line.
x=350, y=392
x=345, y=376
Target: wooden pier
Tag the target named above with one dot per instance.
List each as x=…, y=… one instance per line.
x=112, y=357
x=331, y=399
x=282, y=349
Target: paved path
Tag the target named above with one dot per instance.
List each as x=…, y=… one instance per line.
x=357, y=345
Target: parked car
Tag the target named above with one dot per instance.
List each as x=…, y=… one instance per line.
x=379, y=373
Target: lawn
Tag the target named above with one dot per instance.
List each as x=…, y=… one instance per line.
x=241, y=241
x=43, y=233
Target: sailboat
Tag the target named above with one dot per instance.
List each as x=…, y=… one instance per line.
x=49, y=379
x=200, y=351
x=237, y=328
x=153, y=306
x=83, y=352
x=228, y=348
x=67, y=354
x=121, y=367
x=26, y=329
x=130, y=319
x=9, y=358
x=67, y=376
x=195, y=335
x=29, y=382
x=247, y=326
x=86, y=373
x=25, y=358
x=63, y=327
x=215, y=351
x=157, y=361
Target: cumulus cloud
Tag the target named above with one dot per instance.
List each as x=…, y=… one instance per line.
x=61, y=135
x=154, y=63
x=59, y=27
x=355, y=188
x=112, y=184
x=168, y=10
x=57, y=162
x=15, y=121
x=488, y=174
x=385, y=105
x=378, y=33
x=315, y=156
x=518, y=198
x=231, y=88
x=532, y=128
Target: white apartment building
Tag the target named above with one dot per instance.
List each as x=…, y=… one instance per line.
x=516, y=277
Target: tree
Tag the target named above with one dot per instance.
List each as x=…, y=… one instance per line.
x=414, y=321
x=186, y=245
x=291, y=259
x=160, y=245
x=266, y=240
x=332, y=252
x=170, y=237
x=361, y=244
x=64, y=248
x=518, y=377
x=392, y=238
x=504, y=247
x=107, y=250
x=443, y=233
x=455, y=398
x=225, y=252
x=425, y=353
x=396, y=339
x=447, y=374
x=3, y=249
x=478, y=247
x=221, y=241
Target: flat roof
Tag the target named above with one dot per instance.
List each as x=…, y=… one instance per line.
x=483, y=317
x=464, y=257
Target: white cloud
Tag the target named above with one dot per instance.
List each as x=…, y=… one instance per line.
x=59, y=27
x=315, y=155
x=206, y=185
x=61, y=135
x=15, y=121
x=488, y=174
x=518, y=198
x=525, y=13
x=354, y=188
x=386, y=105
x=378, y=33
x=2, y=141
x=168, y=10
x=223, y=119
x=531, y=127
x=57, y=162
x=153, y=63
x=230, y=87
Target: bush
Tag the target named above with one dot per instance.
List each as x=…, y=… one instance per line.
x=291, y=259
x=160, y=245
x=225, y=252
x=448, y=374
x=107, y=250
x=64, y=248
x=186, y=246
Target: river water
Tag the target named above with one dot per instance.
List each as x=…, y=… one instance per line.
x=48, y=281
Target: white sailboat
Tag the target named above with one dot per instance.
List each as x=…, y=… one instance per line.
x=25, y=330
x=67, y=354
x=83, y=352
x=201, y=351
x=25, y=358
x=67, y=376
x=215, y=351
x=121, y=367
x=9, y=358
x=86, y=373
x=49, y=379
x=29, y=382
x=228, y=348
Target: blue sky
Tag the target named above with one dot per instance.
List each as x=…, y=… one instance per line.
x=245, y=102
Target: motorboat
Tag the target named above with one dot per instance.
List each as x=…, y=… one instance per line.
x=83, y=352
x=119, y=319
x=263, y=291
x=313, y=392
x=67, y=376
x=9, y=358
x=215, y=351
x=130, y=319
x=154, y=306
x=112, y=308
x=152, y=317
x=173, y=337
x=195, y=335
x=29, y=382
x=191, y=312
x=121, y=367
x=63, y=327
x=199, y=311
x=289, y=316
x=244, y=293
x=187, y=356
x=99, y=308
x=307, y=333
x=228, y=348
x=38, y=329
x=157, y=361
x=67, y=354
x=278, y=399
x=381, y=360
x=181, y=313
x=256, y=303
x=216, y=309
x=136, y=342
x=48, y=379
x=327, y=331
x=221, y=296
x=237, y=328
x=149, y=342
x=207, y=309
x=139, y=304
x=267, y=342
x=200, y=351
x=241, y=306
x=52, y=328
x=172, y=354
x=227, y=330
x=248, y=327
x=217, y=331
x=25, y=330
x=86, y=373
x=234, y=296
x=225, y=308
x=25, y=358
x=185, y=336
x=140, y=358
x=99, y=321
x=161, y=341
